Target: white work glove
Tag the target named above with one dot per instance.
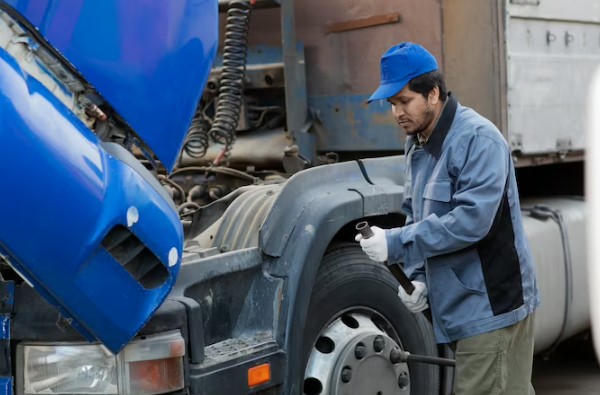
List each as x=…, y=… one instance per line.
x=417, y=301
x=375, y=246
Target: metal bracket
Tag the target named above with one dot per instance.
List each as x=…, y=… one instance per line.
x=569, y=38
x=362, y=23
x=525, y=2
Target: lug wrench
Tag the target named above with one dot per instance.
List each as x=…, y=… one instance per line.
x=366, y=232
x=397, y=355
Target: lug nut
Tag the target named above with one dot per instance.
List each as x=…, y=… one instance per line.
x=360, y=351
x=379, y=343
x=346, y=375
x=397, y=355
x=403, y=380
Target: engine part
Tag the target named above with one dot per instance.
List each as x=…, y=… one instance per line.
x=231, y=88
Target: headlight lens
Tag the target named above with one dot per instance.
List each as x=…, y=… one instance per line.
x=152, y=365
x=84, y=369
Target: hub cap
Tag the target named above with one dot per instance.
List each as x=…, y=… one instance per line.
x=352, y=356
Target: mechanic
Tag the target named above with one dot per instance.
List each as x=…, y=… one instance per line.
x=463, y=244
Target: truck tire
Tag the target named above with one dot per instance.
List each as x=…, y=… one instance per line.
x=353, y=321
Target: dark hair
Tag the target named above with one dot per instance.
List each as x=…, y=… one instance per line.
x=424, y=83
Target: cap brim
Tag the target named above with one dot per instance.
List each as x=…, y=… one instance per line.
x=385, y=91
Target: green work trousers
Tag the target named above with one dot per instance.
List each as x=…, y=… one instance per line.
x=497, y=362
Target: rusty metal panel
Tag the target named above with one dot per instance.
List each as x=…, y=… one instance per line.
x=474, y=55
x=552, y=50
x=343, y=42
x=348, y=62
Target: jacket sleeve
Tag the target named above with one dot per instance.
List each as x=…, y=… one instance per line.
x=407, y=200
x=415, y=271
x=407, y=203
x=482, y=166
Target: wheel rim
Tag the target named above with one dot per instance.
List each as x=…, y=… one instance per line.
x=351, y=356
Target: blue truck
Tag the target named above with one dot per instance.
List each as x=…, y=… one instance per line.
x=184, y=178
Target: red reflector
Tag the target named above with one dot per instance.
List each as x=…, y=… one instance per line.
x=258, y=375
x=156, y=376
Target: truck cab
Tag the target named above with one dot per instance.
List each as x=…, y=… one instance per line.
x=185, y=180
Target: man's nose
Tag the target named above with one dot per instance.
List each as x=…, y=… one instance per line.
x=397, y=111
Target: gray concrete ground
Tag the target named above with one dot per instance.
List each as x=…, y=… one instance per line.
x=571, y=370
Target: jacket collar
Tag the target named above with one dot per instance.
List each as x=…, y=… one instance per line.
x=440, y=131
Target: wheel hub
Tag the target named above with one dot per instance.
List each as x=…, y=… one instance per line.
x=352, y=356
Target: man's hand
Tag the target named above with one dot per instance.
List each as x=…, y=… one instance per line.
x=417, y=301
x=375, y=246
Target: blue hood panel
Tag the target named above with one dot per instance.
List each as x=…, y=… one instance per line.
x=95, y=235
x=149, y=59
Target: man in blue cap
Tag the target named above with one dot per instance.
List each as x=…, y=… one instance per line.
x=463, y=244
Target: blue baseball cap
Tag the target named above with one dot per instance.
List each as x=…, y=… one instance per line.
x=399, y=65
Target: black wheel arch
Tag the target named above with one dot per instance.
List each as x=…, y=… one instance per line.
x=315, y=208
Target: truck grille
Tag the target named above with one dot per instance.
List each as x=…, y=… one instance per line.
x=135, y=257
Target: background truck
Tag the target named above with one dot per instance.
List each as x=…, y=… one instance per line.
x=170, y=225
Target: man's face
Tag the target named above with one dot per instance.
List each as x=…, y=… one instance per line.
x=414, y=112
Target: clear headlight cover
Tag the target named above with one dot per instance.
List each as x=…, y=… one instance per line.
x=151, y=365
x=82, y=369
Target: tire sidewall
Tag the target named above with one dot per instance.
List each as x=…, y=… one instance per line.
x=348, y=280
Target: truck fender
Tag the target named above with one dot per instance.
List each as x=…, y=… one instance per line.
x=310, y=210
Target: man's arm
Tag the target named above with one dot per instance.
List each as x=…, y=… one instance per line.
x=483, y=168
x=416, y=271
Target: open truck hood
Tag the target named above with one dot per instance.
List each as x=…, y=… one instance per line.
x=90, y=229
x=149, y=59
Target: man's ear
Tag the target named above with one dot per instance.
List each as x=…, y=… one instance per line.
x=434, y=95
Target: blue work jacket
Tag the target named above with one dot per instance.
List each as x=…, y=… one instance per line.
x=464, y=234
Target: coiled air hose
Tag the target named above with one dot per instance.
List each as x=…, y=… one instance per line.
x=197, y=139
x=231, y=87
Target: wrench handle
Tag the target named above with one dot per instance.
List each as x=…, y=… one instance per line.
x=366, y=232
x=364, y=229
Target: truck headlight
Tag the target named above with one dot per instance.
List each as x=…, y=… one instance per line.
x=149, y=365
